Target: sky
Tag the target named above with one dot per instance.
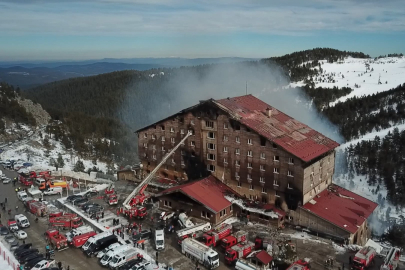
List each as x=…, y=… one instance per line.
x=96, y=29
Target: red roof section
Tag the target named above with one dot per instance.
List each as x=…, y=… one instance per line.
x=264, y=257
x=341, y=207
x=290, y=134
x=209, y=191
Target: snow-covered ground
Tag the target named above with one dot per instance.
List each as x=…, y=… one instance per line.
x=31, y=150
x=370, y=136
x=4, y=265
x=365, y=73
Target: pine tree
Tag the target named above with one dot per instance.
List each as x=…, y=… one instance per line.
x=60, y=161
x=79, y=166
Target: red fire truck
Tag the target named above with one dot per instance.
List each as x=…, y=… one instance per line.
x=66, y=221
x=364, y=258
x=79, y=240
x=25, y=179
x=233, y=239
x=237, y=252
x=57, y=240
x=213, y=237
x=392, y=259
x=111, y=199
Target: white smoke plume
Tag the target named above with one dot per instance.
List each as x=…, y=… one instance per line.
x=163, y=95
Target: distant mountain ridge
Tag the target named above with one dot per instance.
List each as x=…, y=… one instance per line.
x=28, y=75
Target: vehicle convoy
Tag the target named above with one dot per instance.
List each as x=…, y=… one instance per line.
x=392, y=259
x=364, y=258
x=211, y=238
x=100, y=244
x=94, y=239
x=79, y=240
x=105, y=260
x=22, y=221
x=200, y=252
x=233, y=239
x=78, y=231
x=110, y=247
x=12, y=225
x=111, y=199
x=138, y=196
x=239, y=251
x=66, y=221
x=57, y=240
x=160, y=238
x=122, y=258
x=192, y=231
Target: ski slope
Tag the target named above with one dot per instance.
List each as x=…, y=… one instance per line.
x=365, y=73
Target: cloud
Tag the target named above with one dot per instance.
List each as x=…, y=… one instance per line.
x=133, y=17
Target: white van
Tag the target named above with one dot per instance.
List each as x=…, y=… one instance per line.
x=160, y=239
x=123, y=257
x=22, y=195
x=22, y=221
x=110, y=247
x=78, y=231
x=53, y=191
x=105, y=260
x=94, y=239
x=39, y=181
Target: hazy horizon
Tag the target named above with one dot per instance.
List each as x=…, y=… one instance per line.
x=77, y=30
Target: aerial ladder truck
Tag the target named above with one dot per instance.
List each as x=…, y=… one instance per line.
x=138, y=196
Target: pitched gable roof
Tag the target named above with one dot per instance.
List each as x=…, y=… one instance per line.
x=341, y=207
x=208, y=191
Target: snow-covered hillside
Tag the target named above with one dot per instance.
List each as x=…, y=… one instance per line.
x=362, y=75
x=31, y=150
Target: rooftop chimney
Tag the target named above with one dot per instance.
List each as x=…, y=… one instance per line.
x=268, y=111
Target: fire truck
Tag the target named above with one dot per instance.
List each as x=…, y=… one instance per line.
x=213, y=237
x=138, y=196
x=263, y=242
x=364, y=258
x=233, y=239
x=111, y=199
x=238, y=251
x=299, y=265
x=25, y=179
x=57, y=240
x=192, y=231
x=392, y=259
x=66, y=221
x=37, y=208
x=138, y=211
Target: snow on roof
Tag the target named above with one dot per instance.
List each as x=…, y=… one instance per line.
x=266, y=212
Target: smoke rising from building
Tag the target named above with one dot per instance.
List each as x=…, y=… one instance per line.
x=169, y=91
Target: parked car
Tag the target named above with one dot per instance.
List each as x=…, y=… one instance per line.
x=20, y=235
x=10, y=239
x=77, y=199
x=80, y=202
x=88, y=205
x=26, y=252
x=6, y=180
x=71, y=198
x=4, y=230
x=95, y=210
x=14, y=246
x=91, y=193
x=143, y=235
x=22, y=248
